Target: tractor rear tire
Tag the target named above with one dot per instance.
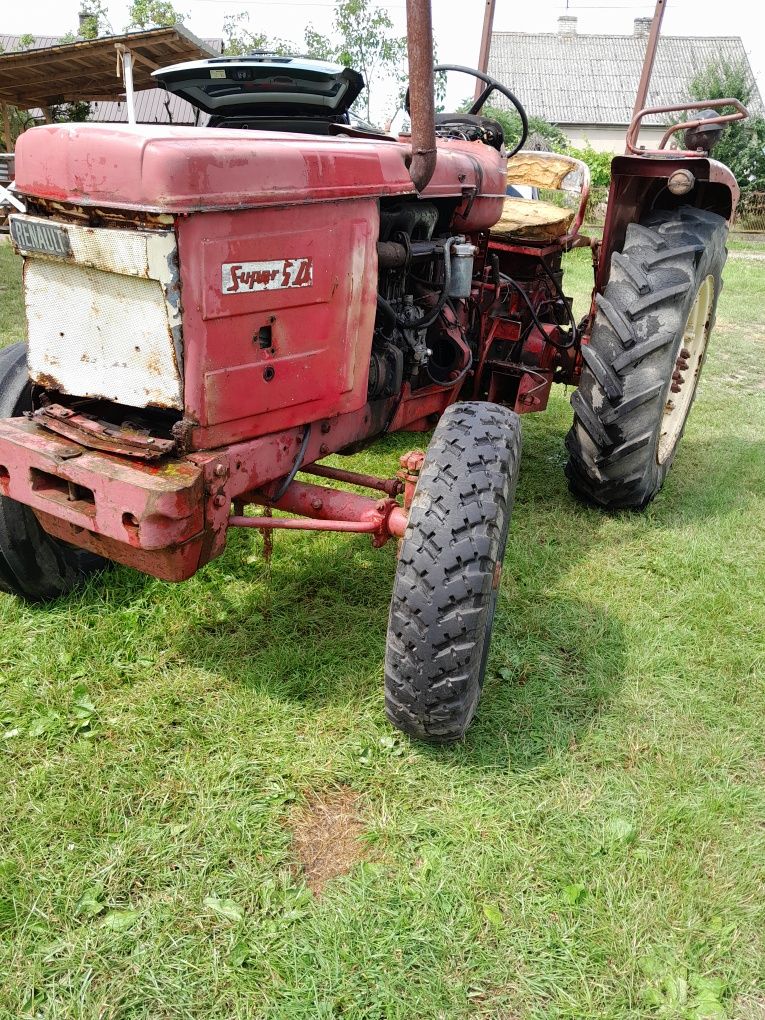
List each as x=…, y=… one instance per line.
x=448, y=574
x=642, y=365
x=33, y=565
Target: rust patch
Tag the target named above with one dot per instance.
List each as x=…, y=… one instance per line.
x=128, y=439
x=154, y=365
x=47, y=381
x=326, y=835
x=94, y=216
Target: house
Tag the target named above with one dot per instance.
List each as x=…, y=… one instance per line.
x=152, y=106
x=586, y=84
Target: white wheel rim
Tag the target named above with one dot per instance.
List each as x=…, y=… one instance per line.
x=685, y=373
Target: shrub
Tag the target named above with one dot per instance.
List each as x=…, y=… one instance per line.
x=598, y=162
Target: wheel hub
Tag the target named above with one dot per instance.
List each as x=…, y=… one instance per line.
x=685, y=375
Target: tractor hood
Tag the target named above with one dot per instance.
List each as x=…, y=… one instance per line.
x=265, y=85
x=174, y=169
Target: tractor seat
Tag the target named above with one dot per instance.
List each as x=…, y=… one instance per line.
x=532, y=220
x=536, y=220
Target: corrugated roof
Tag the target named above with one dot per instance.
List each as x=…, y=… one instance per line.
x=593, y=79
x=11, y=43
x=152, y=106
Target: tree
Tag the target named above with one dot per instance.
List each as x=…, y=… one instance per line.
x=19, y=121
x=598, y=162
x=94, y=19
x=363, y=38
x=70, y=113
x=546, y=137
x=153, y=14
x=742, y=145
x=238, y=38
x=542, y=136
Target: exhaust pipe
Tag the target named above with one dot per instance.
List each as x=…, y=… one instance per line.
x=422, y=112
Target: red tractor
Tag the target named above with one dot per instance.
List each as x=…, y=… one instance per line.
x=213, y=311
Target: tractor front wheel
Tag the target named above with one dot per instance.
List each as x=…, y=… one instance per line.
x=447, y=580
x=642, y=365
x=33, y=565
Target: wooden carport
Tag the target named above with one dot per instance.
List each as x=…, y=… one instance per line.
x=91, y=69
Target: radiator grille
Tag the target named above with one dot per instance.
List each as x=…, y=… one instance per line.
x=105, y=322
x=98, y=334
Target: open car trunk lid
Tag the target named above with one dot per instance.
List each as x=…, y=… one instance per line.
x=265, y=85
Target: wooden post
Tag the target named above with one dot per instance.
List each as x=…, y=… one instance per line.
x=7, y=129
x=47, y=115
x=483, y=53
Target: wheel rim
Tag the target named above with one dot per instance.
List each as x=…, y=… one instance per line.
x=685, y=374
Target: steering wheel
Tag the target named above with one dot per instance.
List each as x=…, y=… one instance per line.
x=469, y=118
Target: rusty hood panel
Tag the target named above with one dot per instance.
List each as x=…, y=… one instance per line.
x=183, y=169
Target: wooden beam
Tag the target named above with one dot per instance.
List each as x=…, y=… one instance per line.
x=7, y=128
x=56, y=90
x=141, y=59
x=65, y=69
x=62, y=73
x=38, y=102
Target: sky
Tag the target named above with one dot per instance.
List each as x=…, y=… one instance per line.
x=456, y=25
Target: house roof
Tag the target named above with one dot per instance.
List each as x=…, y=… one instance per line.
x=86, y=69
x=12, y=43
x=572, y=78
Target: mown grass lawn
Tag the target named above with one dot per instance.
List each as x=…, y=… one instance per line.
x=178, y=762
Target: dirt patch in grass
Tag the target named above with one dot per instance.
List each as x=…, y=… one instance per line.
x=326, y=836
x=749, y=1008
x=743, y=381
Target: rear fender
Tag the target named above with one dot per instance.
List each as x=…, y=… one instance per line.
x=639, y=186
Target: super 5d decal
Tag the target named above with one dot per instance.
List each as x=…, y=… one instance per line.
x=279, y=274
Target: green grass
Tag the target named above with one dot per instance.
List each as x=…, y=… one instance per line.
x=11, y=302
x=747, y=242
x=594, y=849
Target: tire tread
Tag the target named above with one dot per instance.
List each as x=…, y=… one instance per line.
x=439, y=616
x=628, y=363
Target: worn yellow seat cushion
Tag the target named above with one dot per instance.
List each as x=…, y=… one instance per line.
x=532, y=219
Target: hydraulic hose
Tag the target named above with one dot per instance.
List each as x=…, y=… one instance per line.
x=290, y=478
x=535, y=319
x=563, y=298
